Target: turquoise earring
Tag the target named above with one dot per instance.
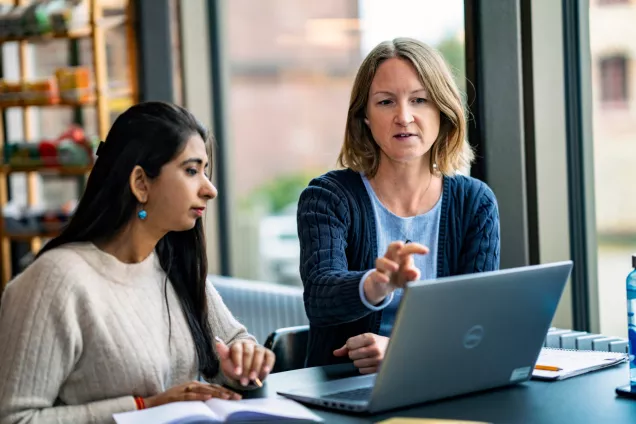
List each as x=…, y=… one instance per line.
x=142, y=214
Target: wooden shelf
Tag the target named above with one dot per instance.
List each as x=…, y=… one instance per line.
x=28, y=236
x=116, y=96
x=106, y=101
x=105, y=23
x=48, y=170
x=60, y=104
x=78, y=33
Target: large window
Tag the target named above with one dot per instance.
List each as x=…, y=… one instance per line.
x=292, y=65
x=613, y=49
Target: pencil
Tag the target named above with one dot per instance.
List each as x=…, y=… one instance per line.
x=546, y=368
x=258, y=382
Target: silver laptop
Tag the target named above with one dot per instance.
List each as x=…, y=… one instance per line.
x=454, y=336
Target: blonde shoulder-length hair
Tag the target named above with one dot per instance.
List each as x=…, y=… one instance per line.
x=450, y=151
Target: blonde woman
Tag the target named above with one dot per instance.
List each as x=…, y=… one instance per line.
x=400, y=210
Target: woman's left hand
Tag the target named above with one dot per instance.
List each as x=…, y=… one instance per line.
x=244, y=360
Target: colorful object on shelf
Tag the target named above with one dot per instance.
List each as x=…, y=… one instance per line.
x=32, y=220
x=74, y=84
x=70, y=85
x=73, y=15
x=40, y=92
x=35, y=19
x=70, y=149
x=11, y=22
x=10, y=93
x=43, y=17
x=53, y=221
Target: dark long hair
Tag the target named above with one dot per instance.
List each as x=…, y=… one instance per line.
x=149, y=135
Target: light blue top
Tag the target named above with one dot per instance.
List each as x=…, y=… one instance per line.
x=422, y=229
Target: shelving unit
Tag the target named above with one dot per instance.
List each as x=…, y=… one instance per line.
x=65, y=171
x=95, y=30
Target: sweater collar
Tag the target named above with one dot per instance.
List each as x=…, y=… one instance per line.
x=115, y=270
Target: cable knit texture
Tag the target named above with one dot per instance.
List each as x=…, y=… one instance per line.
x=337, y=232
x=81, y=333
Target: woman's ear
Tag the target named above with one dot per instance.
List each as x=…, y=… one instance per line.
x=139, y=184
x=366, y=121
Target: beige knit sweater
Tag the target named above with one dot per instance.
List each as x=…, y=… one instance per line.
x=82, y=332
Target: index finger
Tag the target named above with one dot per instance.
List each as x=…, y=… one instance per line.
x=413, y=248
x=236, y=353
x=248, y=357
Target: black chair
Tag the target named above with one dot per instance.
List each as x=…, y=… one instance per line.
x=290, y=347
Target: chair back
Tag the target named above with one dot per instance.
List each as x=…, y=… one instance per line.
x=261, y=306
x=290, y=347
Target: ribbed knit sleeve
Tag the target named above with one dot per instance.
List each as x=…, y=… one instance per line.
x=481, y=245
x=331, y=292
x=227, y=328
x=40, y=343
x=222, y=323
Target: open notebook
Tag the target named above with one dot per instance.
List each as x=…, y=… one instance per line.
x=219, y=410
x=568, y=363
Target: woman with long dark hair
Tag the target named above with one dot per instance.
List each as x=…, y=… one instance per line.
x=115, y=313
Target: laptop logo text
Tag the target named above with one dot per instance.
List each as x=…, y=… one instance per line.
x=473, y=337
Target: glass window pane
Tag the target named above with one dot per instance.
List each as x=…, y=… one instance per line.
x=613, y=49
x=292, y=65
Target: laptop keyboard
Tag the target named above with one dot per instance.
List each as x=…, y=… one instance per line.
x=356, y=394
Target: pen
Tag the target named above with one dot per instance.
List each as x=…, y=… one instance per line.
x=546, y=368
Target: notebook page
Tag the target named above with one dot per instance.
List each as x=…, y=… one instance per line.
x=168, y=413
x=574, y=362
x=273, y=407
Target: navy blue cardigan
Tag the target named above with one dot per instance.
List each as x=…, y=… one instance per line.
x=338, y=244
